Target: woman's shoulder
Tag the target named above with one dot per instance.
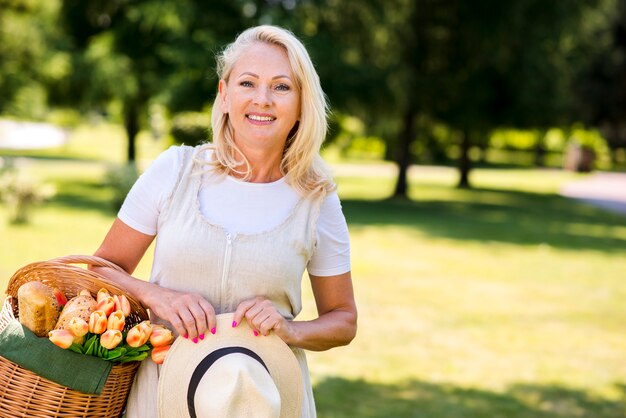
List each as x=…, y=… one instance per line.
x=165, y=160
x=331, y=204
x=173, y=153
x=176, y=155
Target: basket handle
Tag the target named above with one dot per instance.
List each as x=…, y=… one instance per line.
x=41, y=271
x=91, y=260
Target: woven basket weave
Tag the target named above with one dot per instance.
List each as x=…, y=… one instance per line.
x=25, y=394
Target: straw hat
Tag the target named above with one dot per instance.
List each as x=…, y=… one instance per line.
x=230, y=374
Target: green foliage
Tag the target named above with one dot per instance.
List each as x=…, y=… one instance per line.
x=407, y=69
x=65, y=118
x=601, y=73
x=472, y=66
x=191, y=128
x=350, y=139
x=121, y=354
x=513, y=139
x=30, y=61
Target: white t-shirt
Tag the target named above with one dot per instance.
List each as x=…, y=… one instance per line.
x=239, y=207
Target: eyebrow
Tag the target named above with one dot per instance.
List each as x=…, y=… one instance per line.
x=256, y=75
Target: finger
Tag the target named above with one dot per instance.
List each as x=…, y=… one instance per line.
x=274, y=323
x=209, y=314
x=177, y=324
x=189, y=323
x=256, y=315
x=200, y=318
x=242, y=310
x=266, y=326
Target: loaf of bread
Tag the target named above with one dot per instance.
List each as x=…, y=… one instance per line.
x=38, y=307
x=80, y=306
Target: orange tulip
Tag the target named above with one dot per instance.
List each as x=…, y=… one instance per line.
x=78, y=326
x=159, y=353
x=116, y=321
x=102, y=294
x=97, y=322
x=122, y=304
x=161, y=336
x=61, y=337
x=79, y=340
x=146, y=326
x=106, y=304
x=111, y=339
x=136, y=337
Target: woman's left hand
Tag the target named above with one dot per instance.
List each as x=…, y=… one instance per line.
x=263, y=317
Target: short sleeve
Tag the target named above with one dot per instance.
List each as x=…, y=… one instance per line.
x=143, y=204
x=332, y=253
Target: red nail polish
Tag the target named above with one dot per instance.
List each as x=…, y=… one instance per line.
x=185, y=336
x=256, y=333
x=213, y=330
x=234, y=324
x=201, y=336
x=195, y=340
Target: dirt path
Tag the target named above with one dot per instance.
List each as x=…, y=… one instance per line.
x=606, y=190
x=30, y=135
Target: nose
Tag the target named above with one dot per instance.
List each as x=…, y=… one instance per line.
x=262, y=96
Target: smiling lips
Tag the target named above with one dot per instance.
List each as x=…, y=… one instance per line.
x=260, y=118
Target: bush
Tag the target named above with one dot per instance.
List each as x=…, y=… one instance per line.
x=121, y=180
x=21, y=193
x=191, y=128
x=64, y=118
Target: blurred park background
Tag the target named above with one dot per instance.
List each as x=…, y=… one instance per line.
x=456, y=126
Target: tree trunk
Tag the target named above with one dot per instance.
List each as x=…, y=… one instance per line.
x=404, y=151
x=540, y=150
x=464, y=161
x=131, y=124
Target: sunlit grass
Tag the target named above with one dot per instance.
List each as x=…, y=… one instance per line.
x=507, y=298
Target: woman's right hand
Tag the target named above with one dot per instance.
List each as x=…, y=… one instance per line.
x=191, y=315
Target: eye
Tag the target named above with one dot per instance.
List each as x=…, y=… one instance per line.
x=283, y=87
x=246, y=84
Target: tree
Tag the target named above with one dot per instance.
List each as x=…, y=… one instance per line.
x=472, y=66
x=30, y=59
x=139, y=51
x=367, y=66
x=601, y=83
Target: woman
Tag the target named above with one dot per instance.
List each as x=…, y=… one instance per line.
x=238, y=220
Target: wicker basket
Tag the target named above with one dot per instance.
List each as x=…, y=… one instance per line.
x=25, y=394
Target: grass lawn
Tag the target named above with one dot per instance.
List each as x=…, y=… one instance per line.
x=502, y=301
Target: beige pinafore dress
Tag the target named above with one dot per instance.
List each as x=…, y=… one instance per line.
x=193, y=254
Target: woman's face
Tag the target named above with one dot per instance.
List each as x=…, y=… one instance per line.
x=261, y=98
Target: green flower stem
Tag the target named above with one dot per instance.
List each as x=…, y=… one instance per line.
x=123, y=353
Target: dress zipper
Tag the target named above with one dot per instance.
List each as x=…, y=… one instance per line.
x=227, y=253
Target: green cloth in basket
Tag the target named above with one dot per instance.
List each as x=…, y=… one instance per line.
x=76, y=371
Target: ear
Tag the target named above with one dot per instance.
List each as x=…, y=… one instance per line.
x=222, y=89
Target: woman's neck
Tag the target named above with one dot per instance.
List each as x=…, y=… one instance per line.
x=264, y=168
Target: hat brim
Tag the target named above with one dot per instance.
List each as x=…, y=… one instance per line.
x=184, y=359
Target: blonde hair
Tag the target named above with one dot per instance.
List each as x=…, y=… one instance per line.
x=301, y=163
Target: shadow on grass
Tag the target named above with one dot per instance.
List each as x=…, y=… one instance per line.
x=83, y=195
x=483, y=215
x=498, y=215
x=336, y=397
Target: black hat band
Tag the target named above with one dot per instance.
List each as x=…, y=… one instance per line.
x=207, y=362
